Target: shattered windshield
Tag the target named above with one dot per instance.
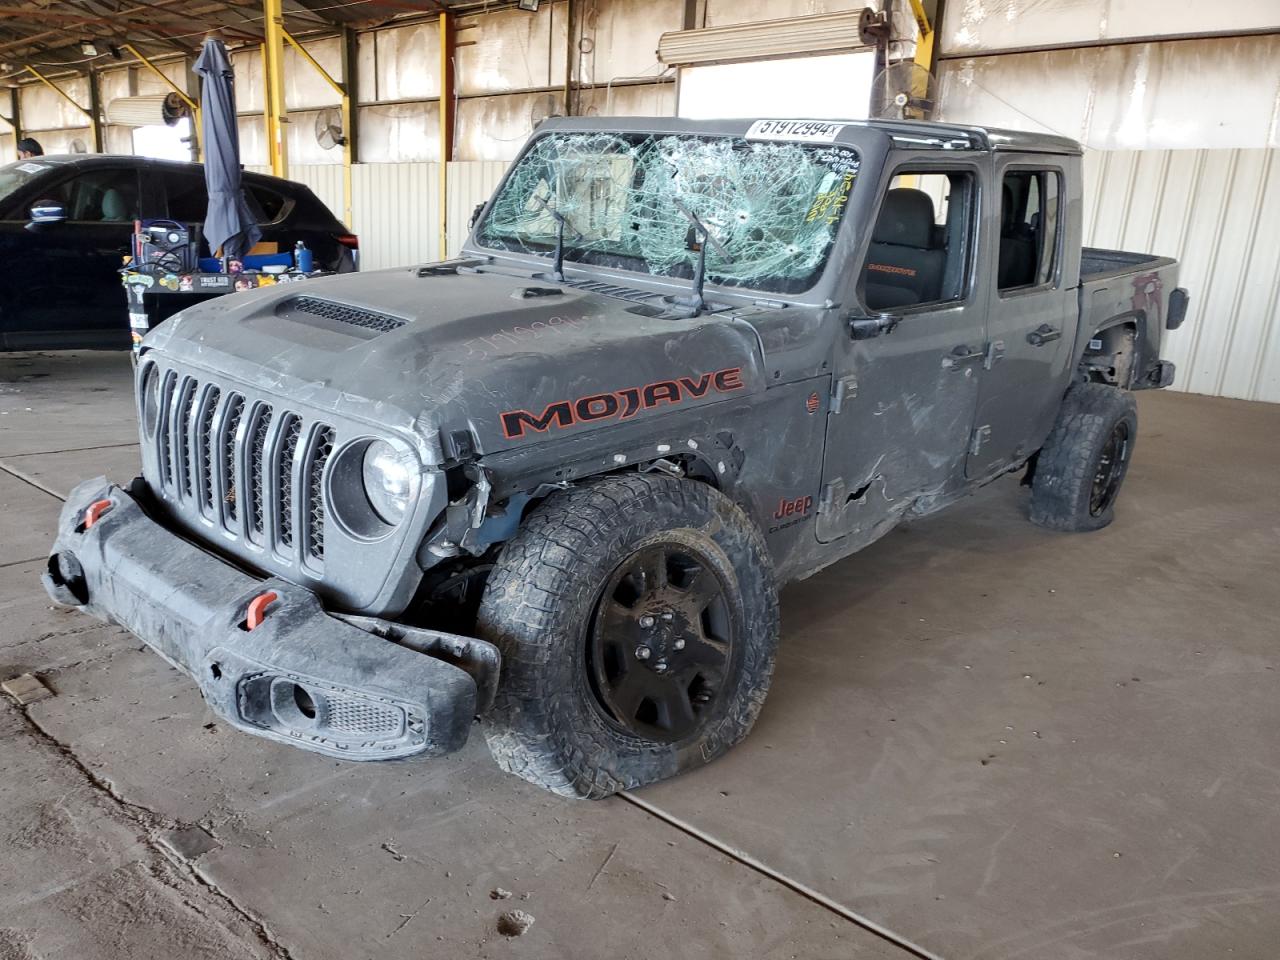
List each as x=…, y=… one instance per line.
x=772, y=209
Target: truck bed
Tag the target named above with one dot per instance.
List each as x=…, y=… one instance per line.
x=1097, y=263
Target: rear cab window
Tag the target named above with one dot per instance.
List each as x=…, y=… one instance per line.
x=1030, y=229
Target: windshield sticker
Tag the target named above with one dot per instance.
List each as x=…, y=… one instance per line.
x=31, y=167
x=804, y=131
x=830, y=201
x=770, y=210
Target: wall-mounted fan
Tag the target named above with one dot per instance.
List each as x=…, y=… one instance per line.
x=547, y=105
x=329, y=132
x=903, y=91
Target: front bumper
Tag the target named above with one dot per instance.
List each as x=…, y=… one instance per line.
x=300, y=676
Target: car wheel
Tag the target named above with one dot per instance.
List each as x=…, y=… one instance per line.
x=637, y=618
x=1082, y=465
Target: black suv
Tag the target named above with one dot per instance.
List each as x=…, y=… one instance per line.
x=63, y=289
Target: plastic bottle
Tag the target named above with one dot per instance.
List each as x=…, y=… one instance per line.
x=303, y=259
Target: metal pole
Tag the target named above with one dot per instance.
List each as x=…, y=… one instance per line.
x=690, y=15
x=570, y=49
x=15, y=116
x=446, y=126
x=350, y=116
x=95, y=112
x=277, y=111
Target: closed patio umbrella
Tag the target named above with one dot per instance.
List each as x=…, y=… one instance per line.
x=228, y=223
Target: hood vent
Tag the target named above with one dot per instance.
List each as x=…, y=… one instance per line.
x=613, y=290
x=355, y=316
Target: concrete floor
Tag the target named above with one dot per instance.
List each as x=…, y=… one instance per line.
x=990, y=740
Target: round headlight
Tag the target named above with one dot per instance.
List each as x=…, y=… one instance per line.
x=388, y=479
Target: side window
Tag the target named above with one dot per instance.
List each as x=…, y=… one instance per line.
x=100, y=196
x=920, y=246
x=188, y=197
x=267, y=205
x=1028, y=228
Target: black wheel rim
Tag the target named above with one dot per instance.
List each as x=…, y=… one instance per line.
x=1110, y=469
x=661, y=643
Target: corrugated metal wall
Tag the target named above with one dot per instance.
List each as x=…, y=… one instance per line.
x=395, y=207
x=1181, y=141
x=396, y=213
x=1216, y=211
x=469, y=183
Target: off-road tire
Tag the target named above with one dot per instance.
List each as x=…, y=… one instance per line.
x=547, y=725
x=1062, y=491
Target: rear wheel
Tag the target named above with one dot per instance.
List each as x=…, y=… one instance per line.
x=637, y=618
x=1082, y=465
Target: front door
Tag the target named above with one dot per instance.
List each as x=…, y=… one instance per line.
x=904, y=402
x=65, y=291
x=1030, y=316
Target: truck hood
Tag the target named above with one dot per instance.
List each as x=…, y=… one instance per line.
x=428, y=353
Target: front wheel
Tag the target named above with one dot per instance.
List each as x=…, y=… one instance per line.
x=638, y=621
x=1083, y=463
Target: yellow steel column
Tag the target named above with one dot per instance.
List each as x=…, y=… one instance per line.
x=273, y=65
x=924, y=48
x=446, y=126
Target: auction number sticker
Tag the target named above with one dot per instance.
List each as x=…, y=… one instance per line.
x=807, y=131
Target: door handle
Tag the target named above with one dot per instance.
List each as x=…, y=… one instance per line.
x=1043, y=334
x=961, y=355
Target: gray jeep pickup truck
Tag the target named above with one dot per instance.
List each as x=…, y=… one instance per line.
x=557, y=482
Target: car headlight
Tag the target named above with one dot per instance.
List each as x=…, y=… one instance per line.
x=388, y=481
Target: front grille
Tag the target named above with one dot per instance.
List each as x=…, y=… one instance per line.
x=245, y=466
x=291, y=431
x=356, y=316
x=352, y=715
x=257, y=467
x=227, y=443
x=315, y=486
x=207, y=449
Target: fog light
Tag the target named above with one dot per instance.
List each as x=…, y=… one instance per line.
x=295, y=706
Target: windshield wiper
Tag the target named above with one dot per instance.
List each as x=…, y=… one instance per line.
x=561, y=221
x=702, y=234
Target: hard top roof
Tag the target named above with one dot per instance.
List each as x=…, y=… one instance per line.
x=920, y=134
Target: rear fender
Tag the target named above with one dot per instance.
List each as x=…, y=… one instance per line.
x=1111, y=352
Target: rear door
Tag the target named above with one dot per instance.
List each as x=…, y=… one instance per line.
x=65, y=289
x=1031, y=318
x=904, y=401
